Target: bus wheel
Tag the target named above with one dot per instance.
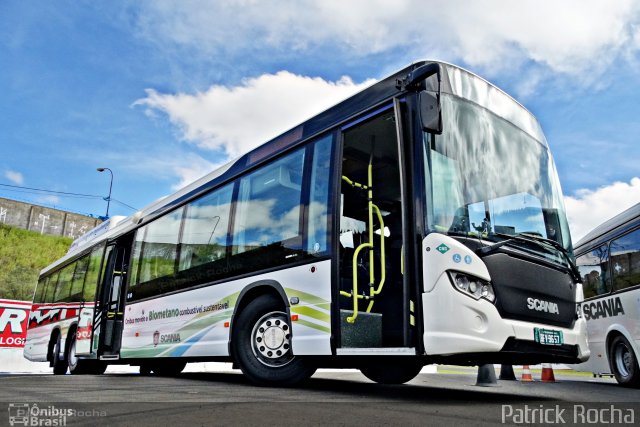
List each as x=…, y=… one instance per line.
x=75, y=365
x=261, y=345
x=168, y=369
x=624, y=362
x=80, y=366
x=145, y=369
x=392, y=373
x=59, y=364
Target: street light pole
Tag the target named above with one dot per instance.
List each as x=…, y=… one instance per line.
x=108, y=199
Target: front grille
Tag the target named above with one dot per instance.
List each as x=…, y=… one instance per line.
x=520, y=283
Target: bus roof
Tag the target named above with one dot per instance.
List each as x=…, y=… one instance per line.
x=455, y=80
x=618, y=223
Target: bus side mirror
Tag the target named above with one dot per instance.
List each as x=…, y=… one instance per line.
x=428, y=95
x=430, y=114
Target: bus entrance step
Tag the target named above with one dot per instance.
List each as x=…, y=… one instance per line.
x=365, y=332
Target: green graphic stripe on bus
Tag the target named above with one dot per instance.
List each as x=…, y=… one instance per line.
x=151, y=350
x=314, y=326
x=198, y=324
x=195, y=328
x=306, y=298
x=229, y=301
x=311, y=312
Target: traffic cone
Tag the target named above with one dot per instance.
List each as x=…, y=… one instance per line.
x=547, y=373
x=506, y=373
x=486, y=376
x=526, y=374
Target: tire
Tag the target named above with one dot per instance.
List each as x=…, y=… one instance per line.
x=80, y=366
x=167, y=368
x=392, y=373
x=145, y=370
x=624, y=363
x=75, y=364
x=270, y=364
x=59, y=365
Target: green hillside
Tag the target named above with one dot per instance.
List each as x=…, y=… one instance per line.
x=22, y=255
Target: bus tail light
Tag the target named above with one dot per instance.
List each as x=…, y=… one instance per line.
x=472, y=286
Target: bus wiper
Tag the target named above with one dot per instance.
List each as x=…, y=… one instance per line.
x=560, y=248
x=538, y=240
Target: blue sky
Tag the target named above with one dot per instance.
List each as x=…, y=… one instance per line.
x=161, y=92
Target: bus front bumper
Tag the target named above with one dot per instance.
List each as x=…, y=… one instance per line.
x=460, y=327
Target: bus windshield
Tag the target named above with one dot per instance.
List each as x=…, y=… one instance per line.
x=488, y=179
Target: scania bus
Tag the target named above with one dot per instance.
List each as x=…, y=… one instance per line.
x=419, y=221
x=609, y=261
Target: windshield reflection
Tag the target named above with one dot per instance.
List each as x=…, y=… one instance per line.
x=487, y=178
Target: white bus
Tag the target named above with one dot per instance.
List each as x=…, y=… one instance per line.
x=609, y=261
x=419, y=221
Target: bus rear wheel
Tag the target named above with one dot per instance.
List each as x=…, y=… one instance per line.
x=261, y=345
x=392, y=373
x=59, y=364
x=624, y=362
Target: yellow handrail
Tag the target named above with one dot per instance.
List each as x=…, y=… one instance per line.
x=383, y=270
x=373, y=290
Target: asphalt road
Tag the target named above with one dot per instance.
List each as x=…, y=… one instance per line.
x=449, y=397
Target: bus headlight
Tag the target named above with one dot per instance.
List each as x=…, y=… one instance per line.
x=472, y=286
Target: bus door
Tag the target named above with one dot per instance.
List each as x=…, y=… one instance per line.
x=110, y=310
x=375, y=303
x=86, y=326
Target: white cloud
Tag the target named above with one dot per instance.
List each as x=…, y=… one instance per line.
x=590, y=208
x=577, y=37
x=15, y=177
x=189, y=171
x=236, y=119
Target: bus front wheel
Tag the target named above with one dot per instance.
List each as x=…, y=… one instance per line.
x=80, y=366
x=392, y=373
x=624, y=362
x=261, y=345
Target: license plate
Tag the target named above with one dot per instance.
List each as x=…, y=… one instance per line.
x=548, y=336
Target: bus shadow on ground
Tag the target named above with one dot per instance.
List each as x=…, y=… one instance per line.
x=350, y=390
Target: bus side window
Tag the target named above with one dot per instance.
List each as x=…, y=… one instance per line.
x=93, y=274
x=268, y=211
x=64, y=283
x=317, y=221
x=51, y=287
x=594, y=268
x=154, y=256
x=625, y=260
x=204, y=235
x=78, y=278
x=40, y=292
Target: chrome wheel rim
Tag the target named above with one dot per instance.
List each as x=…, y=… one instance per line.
x=622, y=357
x=271, y=340
x=73, y=359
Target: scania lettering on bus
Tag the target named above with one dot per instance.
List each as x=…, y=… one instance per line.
x=542, y=305
x=601, y=309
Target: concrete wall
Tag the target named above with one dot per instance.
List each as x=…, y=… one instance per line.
x=45, y=220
